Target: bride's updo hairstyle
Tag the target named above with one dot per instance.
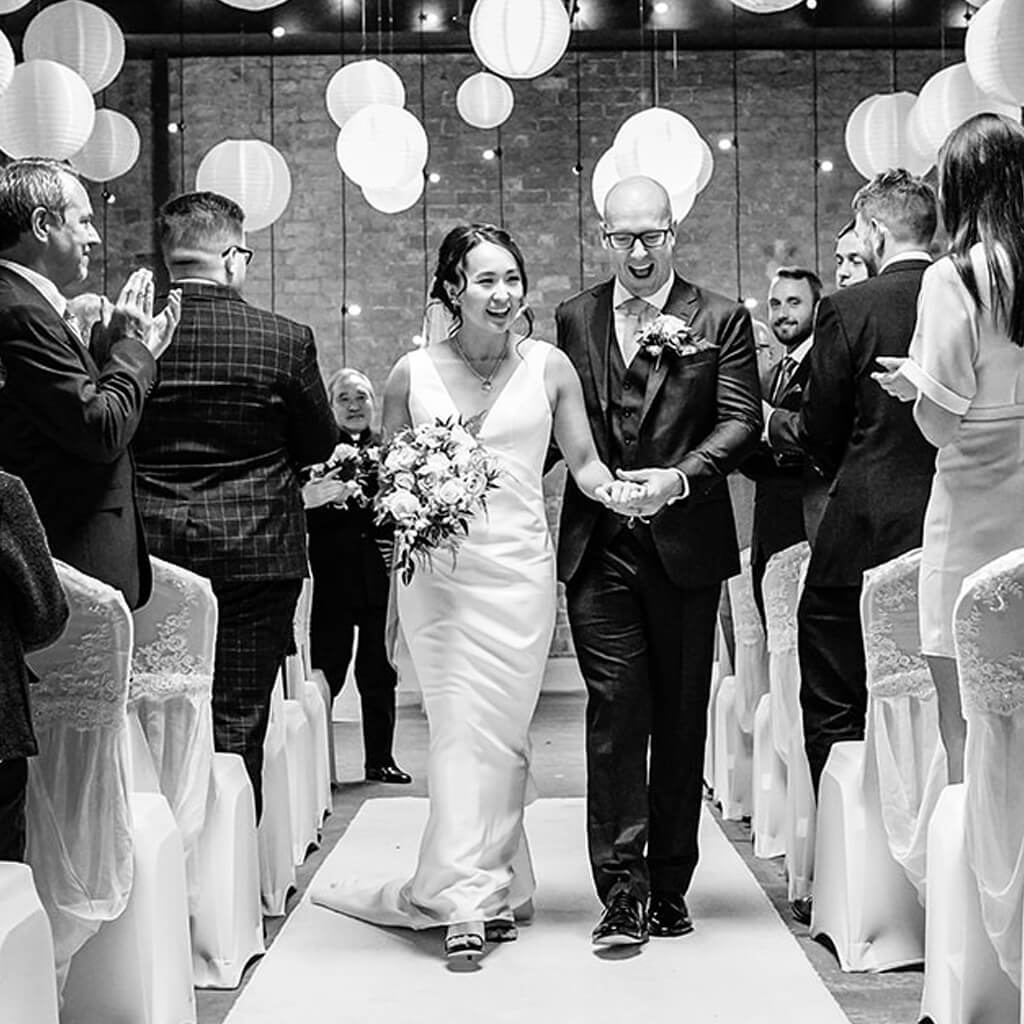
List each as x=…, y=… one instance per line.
x=451, y=266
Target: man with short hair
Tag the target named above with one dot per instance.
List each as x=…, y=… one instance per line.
x=69, y=410
x=851, y=264
x=239, y=409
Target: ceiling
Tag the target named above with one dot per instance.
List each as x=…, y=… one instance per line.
x=383, y=26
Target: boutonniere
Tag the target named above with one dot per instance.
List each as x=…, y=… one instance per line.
x=667, y=333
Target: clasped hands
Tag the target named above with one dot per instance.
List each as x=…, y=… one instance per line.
x=639, y=493
x=328, y=490
x=891, y=379
x=132, y=315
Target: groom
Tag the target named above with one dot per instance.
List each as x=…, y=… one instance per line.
x=643, y=591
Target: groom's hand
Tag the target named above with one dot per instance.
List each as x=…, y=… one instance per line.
x=660, y=487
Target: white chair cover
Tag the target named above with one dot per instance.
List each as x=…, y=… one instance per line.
x=274, y=834
x=751, y=650
x=170, y=695
x=734, y=755
x=28, y=990
x=768, y=815
x=990, y=657
x=79, y=820
x=902, y=726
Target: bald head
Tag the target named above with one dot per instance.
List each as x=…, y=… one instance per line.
x=638, y=234
x=638, y=196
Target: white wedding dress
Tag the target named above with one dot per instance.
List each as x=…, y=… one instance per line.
x=478, y=635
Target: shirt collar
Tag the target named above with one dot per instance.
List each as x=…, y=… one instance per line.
x=801, y=350
x=909, y=254
x=41, y=283
x=658, y=300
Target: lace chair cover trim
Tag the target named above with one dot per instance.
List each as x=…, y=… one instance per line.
x=160, y=685
x=781, y=587
x=745, y=617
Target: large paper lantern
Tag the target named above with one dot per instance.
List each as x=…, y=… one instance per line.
x=382, y=147
x=395, y=200
x=606, y=175
x=948, y=99
x=766, y=6
x=519, y=38
x=253, y=5
x=252, y=173
x=9, y=6
x=994, y=49
x=359, y=84
x=484, y=100
x=878, y=135
x=80, y=35
x=707, y=166
x=6, y=62
x=111, y=150
x=47, y=111
x=660, y=144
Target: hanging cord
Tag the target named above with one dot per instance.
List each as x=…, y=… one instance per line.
x=643, y=72
x=892, y=46
x=816, y=137
x=579, y=154
x=736, y=153
x=426, y=184
x=273, y=227
x=344, y=195
x=181, y=95
x=500, y=157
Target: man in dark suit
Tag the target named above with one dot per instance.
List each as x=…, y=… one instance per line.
x=879, y=465
x=786, y=482
x=643, y=592
x=238, y=410
x=69, y=411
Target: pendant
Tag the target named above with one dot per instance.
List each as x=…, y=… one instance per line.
x=486, y=385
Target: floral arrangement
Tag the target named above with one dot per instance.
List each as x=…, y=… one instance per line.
x=433, y=479
x=670, y=333
x=355, y=466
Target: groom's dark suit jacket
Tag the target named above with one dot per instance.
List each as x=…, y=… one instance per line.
x=67, y=415
x=701, y=413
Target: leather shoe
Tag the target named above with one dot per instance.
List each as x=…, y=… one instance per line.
x=623, y=923
x=388, y=773
x=801, y=909
x=668, y=915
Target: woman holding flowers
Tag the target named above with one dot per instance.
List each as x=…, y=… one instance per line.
x=477, y=618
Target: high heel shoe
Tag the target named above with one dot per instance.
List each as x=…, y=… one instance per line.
x=500, y=930
x=464, y=945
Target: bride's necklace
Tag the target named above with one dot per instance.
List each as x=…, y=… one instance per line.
x=486, y=382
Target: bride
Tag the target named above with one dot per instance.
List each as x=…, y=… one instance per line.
x=478, y=632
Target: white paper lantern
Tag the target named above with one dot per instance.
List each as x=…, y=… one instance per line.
x=359, y=84
x=9, y=6
x=766, y=6
x=948, y=99
x=6, y=62
x=519, y=38
x=252, y=173
x=395, y=200
x=682, y=203
x=605, y=175
x=878, y=137
x=382, y=147
x=80, y=35
x=484, y=100
x=994, y=49
x=707, y=166
x=46, y=111
x=253, y=5
x=660, y=144
x=111, y=150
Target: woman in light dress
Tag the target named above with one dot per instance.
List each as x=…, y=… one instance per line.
x=965, y=373
x=478, y=631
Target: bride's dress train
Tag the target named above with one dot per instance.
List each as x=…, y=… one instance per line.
x=477, y=636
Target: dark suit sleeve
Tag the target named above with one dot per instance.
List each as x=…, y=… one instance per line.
x=92, y=419
x=738, y=423
x=554, y=453
x=312, y=430
x=826, y=415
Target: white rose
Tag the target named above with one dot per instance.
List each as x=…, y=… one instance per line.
x=451, y=492
x=436, y=464
x=401, y=505
x=399, y=458
x=404, y=481
x=343, y=452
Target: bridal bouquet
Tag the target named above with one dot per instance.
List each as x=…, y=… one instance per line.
x=433, y=479
x=667, y=333
x=358, y=467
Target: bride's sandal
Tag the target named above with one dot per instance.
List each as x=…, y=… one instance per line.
x=501, y=930
x=464, y=945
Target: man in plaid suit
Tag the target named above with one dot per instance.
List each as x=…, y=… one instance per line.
x=237, y=411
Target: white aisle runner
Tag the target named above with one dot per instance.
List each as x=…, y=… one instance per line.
x=740, y=966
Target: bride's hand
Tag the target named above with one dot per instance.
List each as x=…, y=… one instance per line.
x=891, y=380
x=621, y=496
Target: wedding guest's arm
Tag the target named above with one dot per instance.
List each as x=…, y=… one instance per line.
x=312, y=429
x=395, y=415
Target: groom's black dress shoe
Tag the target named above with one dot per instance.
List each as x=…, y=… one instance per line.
x=801, y=909
x=388, y=773
x=668, y=915
x=623, y=923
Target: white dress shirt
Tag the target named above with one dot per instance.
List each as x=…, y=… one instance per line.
x=625, y=325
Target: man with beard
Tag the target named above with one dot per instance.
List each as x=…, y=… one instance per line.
x=780, y=475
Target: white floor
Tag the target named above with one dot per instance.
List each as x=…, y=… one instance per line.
x=741, y=965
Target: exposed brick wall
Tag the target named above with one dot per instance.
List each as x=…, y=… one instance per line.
x=330, y=243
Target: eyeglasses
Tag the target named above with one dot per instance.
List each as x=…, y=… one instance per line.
x=625, y=240
x=246, y=254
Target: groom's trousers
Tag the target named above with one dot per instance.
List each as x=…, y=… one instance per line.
x=645, y=648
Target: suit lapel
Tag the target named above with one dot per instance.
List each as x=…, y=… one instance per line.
x=682, y=302
x=600, y=327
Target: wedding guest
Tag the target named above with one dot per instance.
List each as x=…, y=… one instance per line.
x=68, y=413
x=33, y=611
x=868, y=447
x=350, y=583
x=786, y=482
x=851, y=266
x=965, y=372
x=239, y=407
x=643, y=590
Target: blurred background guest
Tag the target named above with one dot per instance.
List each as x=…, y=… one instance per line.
x=851, y=266
x=349, y=556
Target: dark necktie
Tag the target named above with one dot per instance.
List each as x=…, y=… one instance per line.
x=786, y=371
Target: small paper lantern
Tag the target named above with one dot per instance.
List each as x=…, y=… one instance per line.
x=660, y=144
x=766, y=6
x=878, y=137
x=359, y=84
x=253, y=5
x=111, y=150
x=46, y=111
x=9, y=6
x=382, y=147
x=80, y=35
x=252, y=173
x=519, y=38
x=6, y=62
x=994, y=49
x=948, y=99
x=395, y=200
x=484, y=100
